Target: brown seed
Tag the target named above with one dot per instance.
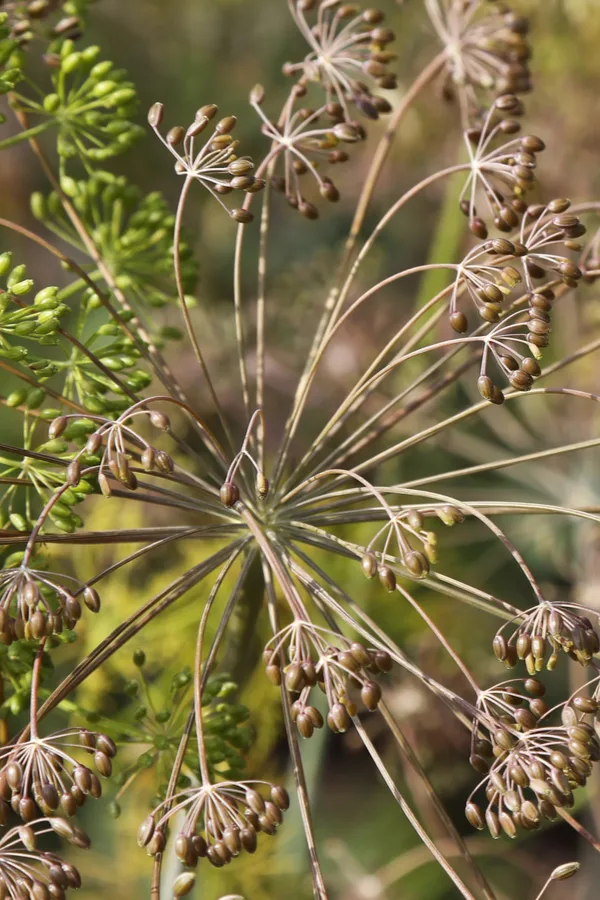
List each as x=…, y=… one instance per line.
x=274, y=674
x=507, y=824
x=229, y=494
x=27, y=809
x=518, y=774
x=523, y=645
x=370, y=694
x=369, y=565
x=499, y=646
x=534, y=687
x=242, y=216
x=280, y=797
x=579, y=749
x=478, y=228
x=14, y=775
x=492, y=823
x=504, y=739
x=459, y=322
x=305, y=726
x=338, y=718
x=538, y=707
x=248, y=839
x=294, y=678
x=232, y=839
x=82, y=778
x=512, y=801
x=538, y=646
x=360, y=653
x=183, y=884
x=315, y=717
x=91, y=598
x=383, y=660
x=50, y=795
x=480, y=764
x=387, y=578
x=585, y=704
x=474, y=816
x=526, y=719
x=199, y=845
x=416, y=563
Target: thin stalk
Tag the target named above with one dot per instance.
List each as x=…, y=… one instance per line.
x=308, y=377
x=198, y=669
x=184, y=306
x=424, y=837
x=260, y=311
x=368, y=187
x=181, y=750
x=26, y=135
x=441, y=638
x=134, y=623
x=413, y=762
x=35, y=686
x=319, y=889
x=385, y=145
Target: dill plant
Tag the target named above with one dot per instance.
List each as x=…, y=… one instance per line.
x=106, y=419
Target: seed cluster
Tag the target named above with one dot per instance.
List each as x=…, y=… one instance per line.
x=28, y=20
x=216, y=164
x=487, y=50
x=301, y=141
x=532, y=770
x=27, y=873
x=504, y=173
x=347, y=45
x=41, y=777
x=35, y=604
x=303, y=657
x=543, y=633
x=222, y=821
x=121, y=446
x=407, y=528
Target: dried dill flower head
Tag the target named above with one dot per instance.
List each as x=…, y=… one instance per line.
x=27, y=871
x=486, y=50
x=247, y=492
x=532, y=768
x=215, y=164
x=349, y=53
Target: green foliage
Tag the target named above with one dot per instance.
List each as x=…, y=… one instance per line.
x=91, y=104
x=152, y=724
x=132, y=232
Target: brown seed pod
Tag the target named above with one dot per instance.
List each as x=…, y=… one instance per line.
x=338, y=718
x=294, y=678
x=280, y=797
x=492, y=822
x=370, y=695
x=499, y=647
x=387, y=578
x=369, y=565
x=585, y=704
x=480, y=764
x=474, y=816
x=383, y=660
x=416, y=563
x=229, y=494
x=459, y=322
x=523, y=645
x=304, y=725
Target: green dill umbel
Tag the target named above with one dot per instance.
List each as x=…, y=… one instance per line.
x=148, y=432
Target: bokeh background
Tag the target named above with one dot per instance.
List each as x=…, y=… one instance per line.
x=189, y=52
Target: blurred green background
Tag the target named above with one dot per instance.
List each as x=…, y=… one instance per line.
x=186, y=53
